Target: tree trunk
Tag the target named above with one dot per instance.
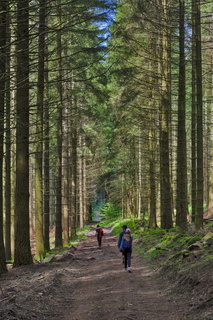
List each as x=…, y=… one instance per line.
x=152, y=141
x=8, y=146
x=73, y=218
x=210, y=204
x=152, y=175
x=165, y=109
x=22, y=254
x=3, y=17
x=39, y=132
x=181, y=200
x=58, y=230
x=193, y=125
x=73, y=161
x=80, y=182
x=85, y=203
x=139, y=196
x=13, y=187
x=84, y=181
x=46, y=155
x=199, y=213
x=66, y=152
x=32, y=197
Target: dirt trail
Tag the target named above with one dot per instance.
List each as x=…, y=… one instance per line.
x=88, y=283
x=106, y=292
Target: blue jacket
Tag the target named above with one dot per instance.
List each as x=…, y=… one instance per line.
x=120, y=238
x=122, y=243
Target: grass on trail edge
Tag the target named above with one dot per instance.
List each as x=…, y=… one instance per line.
x=158, y=247
x=161, y=249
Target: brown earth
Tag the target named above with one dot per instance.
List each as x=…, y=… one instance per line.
x=87, y=283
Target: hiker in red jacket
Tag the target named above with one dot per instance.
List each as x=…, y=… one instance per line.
x=99, y=233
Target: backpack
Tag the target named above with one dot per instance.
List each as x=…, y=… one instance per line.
x=127, y=243
x=100, y=232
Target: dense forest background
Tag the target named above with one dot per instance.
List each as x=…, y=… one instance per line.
x=105, y=106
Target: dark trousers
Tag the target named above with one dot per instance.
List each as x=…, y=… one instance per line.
x=127, y=257
x=99, y=240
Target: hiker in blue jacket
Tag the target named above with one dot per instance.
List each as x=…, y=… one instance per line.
x=126, y=247
x=124, y=227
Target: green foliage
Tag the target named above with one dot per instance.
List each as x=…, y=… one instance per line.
x=208, y=258
x=151, y=236
x=82, y=231
x=74, y=241
x=59, y=250
x=116, y=225
x=178, y=255
x=209, y=224
x=112, y=222
x=194, y=239
x=178, y=240
x=110, y=211
x=77, y=239
x=158, y=242
x=131, y=223
x=154, y=253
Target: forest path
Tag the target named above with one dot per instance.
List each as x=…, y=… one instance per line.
x=85, y=283
x=104, y=291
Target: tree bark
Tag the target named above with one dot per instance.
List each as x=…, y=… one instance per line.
x=8, y=144
x=80, y=182
x=139, y=192
x=73, y=139
x=199, y=213
x=39, y=132
x=84, y=181
x=193, y=124
x=165, y=109
x=3, y=17
x=58, y=230
x=152, y=175
x=181, y=200
x=46, y=153
x=210, y=204
x=22, y=254
x=66, y=152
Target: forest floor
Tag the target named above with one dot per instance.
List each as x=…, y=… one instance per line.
x=86, y=282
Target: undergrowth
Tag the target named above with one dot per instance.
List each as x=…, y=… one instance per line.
x=161, y=247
